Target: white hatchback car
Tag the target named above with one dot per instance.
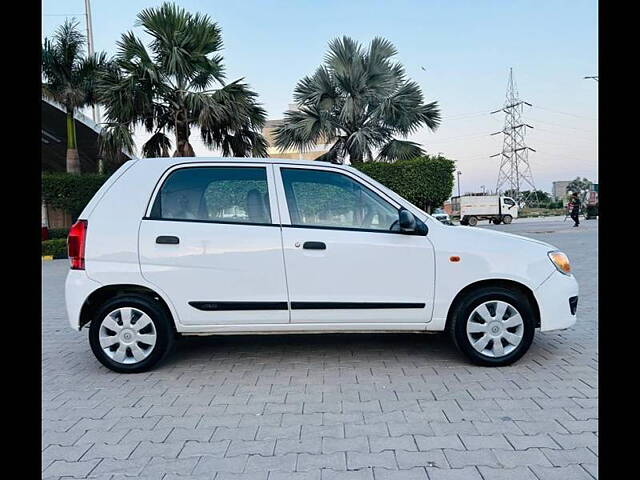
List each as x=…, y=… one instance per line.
x=195, y=246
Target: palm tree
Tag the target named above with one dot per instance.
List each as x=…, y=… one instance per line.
x=359, y=100
x=69, y=78
x=167, y=89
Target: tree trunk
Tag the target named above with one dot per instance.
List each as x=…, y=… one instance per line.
x=183, y=147
x=73, y=159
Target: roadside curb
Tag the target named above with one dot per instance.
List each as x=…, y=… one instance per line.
x=52, y=257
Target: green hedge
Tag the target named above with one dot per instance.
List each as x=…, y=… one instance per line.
x=56, y=247
x=425, y=181
x=55, y=233
x=70, y=192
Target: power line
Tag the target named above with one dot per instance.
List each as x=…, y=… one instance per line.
x=563, y=113
x=557, y=125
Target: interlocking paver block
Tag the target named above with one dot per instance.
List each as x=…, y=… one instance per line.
x=379, y=444
x=308, y=445
x=439, y=442
x=363, y=474
x=163, y=450
x=67, y=453
x=203, y=449
x=295, y=475
x=357, y=460
x=467, y=473
x=413, y=474
x=562, y=458
x=282, y=463
x=459, y=459
x=161, y=466
x=477, y=442
x=354, y=444
x=432, y=458
x=104, y=450
x=516, y=473
x=217, y=464
x=524, y=442
x=514, y=458
x=572, y=472
x=158, y=435
x=61, y=468
x=132, y=466
x=334, y=461
x=575, y=440
x=251, y=447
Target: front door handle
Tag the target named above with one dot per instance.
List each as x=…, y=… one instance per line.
x=168, y=240
x=314, y=245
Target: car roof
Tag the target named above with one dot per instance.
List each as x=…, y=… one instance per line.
x=182, y=160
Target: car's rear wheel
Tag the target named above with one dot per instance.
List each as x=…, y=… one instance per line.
x=493, y=326
x=130, y=334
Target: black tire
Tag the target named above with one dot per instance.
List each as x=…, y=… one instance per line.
x=472, y=221
x=496, y=220
x=507, y=219
x=165, y=334
x=463, y=310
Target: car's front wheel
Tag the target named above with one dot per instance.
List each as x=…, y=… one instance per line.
x=493, y=326
x=130, y=334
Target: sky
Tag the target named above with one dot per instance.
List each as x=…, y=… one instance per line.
x=459, y=52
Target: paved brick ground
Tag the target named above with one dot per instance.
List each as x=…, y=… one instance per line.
x=351, y=407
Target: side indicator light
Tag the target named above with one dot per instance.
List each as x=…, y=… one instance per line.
x=454, y=258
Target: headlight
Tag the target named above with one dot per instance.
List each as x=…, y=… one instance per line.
x=561, y=261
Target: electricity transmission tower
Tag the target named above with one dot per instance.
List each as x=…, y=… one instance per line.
x=515, y=172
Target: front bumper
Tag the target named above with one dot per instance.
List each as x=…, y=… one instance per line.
x=555, y=297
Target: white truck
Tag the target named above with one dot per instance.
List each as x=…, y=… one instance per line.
x=495, y=208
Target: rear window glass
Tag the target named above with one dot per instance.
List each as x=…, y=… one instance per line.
x=225, y=194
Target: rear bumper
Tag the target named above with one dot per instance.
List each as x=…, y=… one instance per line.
x=557, y=298
x=78, y=286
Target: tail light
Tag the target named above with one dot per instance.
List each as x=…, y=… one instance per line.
x=75, y=244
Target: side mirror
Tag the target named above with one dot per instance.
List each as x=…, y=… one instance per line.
x=407, y=221
x=410, y=225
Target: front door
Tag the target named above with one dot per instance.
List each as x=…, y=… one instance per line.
x=211, y=241
x=344, y=261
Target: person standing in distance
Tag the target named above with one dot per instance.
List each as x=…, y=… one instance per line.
x=575, y=209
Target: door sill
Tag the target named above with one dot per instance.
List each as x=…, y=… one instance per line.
x=284, y=328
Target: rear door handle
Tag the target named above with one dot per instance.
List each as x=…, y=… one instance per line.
x=314, y=245
x=168, y=239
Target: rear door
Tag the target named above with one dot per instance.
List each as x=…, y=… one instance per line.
x=211, y=241
x=343, y=261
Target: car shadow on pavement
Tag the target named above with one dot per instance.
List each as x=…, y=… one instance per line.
x=347, y=348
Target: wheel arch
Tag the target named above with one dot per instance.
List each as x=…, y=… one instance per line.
x=504, y=283
x=98, y=297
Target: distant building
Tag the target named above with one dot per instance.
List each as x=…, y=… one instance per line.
x=309, y=154
x=559, y=190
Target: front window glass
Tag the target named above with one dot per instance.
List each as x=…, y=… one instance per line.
x=328, y=199
x=229, y=194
